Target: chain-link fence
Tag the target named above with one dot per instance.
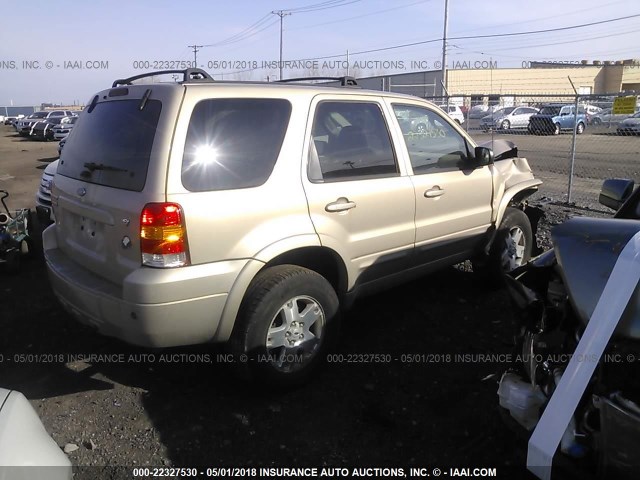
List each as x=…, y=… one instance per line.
x=572, y=154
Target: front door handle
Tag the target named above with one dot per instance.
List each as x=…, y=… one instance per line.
x=340, y=205
x=434, y=192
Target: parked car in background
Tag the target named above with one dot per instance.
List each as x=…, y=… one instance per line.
x=554, y=118
x=414, y=122
x=43, y=195
x=25, y=125
x=606, y=117
x=65, y=126
x=43, y=130
x=630, y=125
x=26, y=449
x=591, y=111
x=153, y=169
x=8, y=120
x=508, y=118
x=454, y=112
x=478, y=111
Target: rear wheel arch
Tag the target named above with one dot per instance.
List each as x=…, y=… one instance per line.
x=322, y=260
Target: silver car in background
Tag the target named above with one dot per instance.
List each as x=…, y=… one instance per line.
x=508, y=118
x=65, y=126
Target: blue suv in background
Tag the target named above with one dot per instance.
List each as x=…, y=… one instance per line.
x=554, y=118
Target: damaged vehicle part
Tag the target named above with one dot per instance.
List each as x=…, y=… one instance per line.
x=570, y=302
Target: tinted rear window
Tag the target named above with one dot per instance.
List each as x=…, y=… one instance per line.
x=233, y=143
x=112, y=144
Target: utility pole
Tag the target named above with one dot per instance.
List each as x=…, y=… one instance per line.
x=347, y=62
x=195, y=54
x=444, y=47
x=281, y=14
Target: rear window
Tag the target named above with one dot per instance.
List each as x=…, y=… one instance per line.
x=112, y=144
x=233, y=143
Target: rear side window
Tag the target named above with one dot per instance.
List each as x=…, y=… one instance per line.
x=233, y=142
x=350, y=141
x=112, y=144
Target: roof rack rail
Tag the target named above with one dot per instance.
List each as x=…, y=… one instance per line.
x=346, y=81
x=188, y=75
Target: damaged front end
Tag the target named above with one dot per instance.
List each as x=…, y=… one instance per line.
x=556, y=296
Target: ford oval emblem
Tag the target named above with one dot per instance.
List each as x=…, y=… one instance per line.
x=82, y=191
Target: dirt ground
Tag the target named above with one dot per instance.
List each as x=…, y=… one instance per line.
x=427, y=400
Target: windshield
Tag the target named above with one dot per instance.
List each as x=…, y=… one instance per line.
x=38, y=115
x=550, y=110
x=113, y=144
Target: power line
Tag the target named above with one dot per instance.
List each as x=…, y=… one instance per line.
x=246, y=33
x=547, y=30
x=263, y=23
x=468, y=37
x=321, y=6
x=346, y=19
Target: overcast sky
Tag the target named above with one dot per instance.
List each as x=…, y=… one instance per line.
x=44, y=43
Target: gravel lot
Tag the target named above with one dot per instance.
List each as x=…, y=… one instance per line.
x=127, y=406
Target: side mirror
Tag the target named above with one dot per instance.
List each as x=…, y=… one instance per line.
x=484, y=156
x=615, y=191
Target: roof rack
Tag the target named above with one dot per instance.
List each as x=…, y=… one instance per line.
x=346, y=81
x=195, y=75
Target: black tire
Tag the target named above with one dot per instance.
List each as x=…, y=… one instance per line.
x=421, y=128
x=505, y=255
x=557, y=129
x=273, y=293
x=597, y=121
x=505, y=125
x=579, y=128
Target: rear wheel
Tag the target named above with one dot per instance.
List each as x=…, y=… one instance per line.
x=580, y=128
x=287, y=322
x=421, y=128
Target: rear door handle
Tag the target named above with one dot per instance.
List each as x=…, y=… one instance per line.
x=340, y=205
x=434, y=192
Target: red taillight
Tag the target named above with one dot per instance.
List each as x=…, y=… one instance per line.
x=163, y=236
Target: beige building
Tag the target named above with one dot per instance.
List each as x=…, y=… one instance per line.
x=544, y=78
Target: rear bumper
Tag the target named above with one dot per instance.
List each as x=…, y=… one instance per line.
x=152, y=307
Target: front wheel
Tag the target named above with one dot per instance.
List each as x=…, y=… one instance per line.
x=556, y=129
x=511, y=246
x=505, y=125
x=287, y=322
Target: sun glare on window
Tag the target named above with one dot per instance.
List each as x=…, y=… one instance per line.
x=206, y=155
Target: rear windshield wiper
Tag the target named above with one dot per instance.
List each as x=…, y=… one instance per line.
x=91, y=166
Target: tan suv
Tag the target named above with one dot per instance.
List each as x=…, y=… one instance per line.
x=249, y=213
